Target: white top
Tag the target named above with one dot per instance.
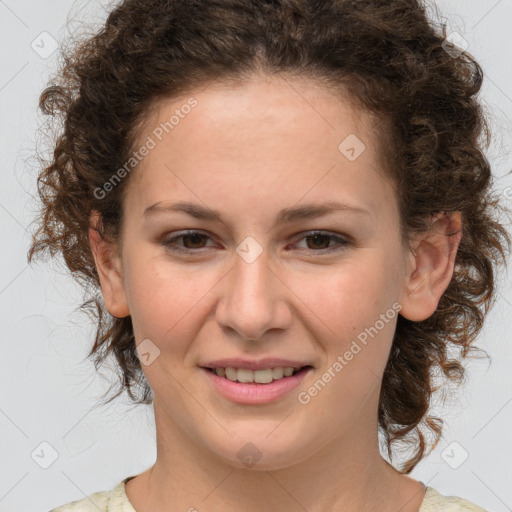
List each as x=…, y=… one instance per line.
x=116, y=500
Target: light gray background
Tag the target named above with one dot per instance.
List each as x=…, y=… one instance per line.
x=48, y=389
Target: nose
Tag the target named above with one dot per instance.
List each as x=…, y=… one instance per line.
x=253, y=300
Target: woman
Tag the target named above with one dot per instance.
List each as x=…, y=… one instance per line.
x=288, y=212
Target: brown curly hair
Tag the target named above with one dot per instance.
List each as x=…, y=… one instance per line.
x=387, y=54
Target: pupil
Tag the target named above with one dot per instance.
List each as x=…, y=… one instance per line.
x=316, y=237
x=194, y=238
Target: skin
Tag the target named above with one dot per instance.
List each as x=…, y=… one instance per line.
x=248, y=151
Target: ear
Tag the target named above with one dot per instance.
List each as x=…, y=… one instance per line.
x=432, y=265
x=109, y=268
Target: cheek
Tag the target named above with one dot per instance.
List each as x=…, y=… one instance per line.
x=167, y=300
x=351, y=297
x=357, y=309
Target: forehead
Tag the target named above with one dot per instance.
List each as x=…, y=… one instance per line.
x=258, y=104
x=264, y=136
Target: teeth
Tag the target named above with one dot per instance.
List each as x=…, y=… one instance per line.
x=263, y=376
x=259, y=376
x=245, y=375
x=277, y=373
x=231, y=374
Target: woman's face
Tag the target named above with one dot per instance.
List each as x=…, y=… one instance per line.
x=252, y=287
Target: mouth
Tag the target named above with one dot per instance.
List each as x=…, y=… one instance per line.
x=263, y=376
x=266, y=384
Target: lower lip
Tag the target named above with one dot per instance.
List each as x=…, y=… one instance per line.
x=254, y=393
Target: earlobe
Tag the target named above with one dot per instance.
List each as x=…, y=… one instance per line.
x=109, y=268
x=432, y=266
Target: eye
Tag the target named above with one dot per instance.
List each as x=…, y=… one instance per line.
x=194, y=241
x=320, y=240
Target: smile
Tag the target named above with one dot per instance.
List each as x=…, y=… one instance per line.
x=252, y=387
x=264, y=376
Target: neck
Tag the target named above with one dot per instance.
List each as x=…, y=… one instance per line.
x=346, y=474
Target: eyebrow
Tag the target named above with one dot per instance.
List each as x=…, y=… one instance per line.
x=286, y=215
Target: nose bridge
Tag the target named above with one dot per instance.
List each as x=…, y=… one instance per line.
x=251, y=302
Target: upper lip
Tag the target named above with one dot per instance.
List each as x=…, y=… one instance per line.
x=260, y=364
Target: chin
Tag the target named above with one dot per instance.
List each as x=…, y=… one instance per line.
x=261, y=453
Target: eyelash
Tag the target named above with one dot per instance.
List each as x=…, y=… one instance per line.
x=169, y=243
